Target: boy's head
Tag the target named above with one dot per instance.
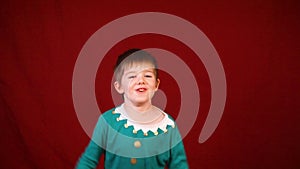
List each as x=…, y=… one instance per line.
x=133, y=57
x=136, y=76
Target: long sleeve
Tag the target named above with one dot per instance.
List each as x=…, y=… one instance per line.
x=178, y=158
x=90, y=157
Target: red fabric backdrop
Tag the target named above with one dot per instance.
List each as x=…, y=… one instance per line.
x=258, y=43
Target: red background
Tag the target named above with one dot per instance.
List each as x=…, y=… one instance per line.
x=258, y=43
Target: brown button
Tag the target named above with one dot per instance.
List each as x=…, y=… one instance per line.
x=133, y=161
x=137, y=144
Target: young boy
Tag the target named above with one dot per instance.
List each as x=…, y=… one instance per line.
x=136, y=134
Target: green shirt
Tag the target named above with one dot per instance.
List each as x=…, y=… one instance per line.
x=126, y=148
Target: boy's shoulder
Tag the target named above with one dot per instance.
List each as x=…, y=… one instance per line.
x=109, y=117
x=170, y=116
x=109, y=113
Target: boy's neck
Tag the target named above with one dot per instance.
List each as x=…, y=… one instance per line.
x=141, y=108
x=146, y=113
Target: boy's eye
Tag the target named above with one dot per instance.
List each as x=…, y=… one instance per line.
x=131, y=77
x=149, y=76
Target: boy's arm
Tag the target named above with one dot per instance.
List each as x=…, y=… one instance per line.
x=178, y=158
x=90, y=157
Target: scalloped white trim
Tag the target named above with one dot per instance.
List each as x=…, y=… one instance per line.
x=146, y=127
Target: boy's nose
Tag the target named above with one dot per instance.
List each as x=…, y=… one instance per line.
x=141, y=80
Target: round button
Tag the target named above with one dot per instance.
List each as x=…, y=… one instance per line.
x=137, y=144
x=133, y=161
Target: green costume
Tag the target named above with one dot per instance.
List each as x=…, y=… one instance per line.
x=127, y=145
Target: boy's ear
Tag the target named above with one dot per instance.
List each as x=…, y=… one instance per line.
x=157, y=84
x=118, y=87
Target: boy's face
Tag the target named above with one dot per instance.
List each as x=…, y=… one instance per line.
x=138, y=84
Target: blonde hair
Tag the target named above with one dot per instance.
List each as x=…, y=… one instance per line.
x=131, y=57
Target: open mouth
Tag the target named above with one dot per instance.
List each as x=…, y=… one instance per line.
x=141, y=89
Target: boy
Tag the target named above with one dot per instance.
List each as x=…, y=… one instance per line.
x=135, y=134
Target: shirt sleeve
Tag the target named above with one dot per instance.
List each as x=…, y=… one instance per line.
x=178, y=158
x=90, y=157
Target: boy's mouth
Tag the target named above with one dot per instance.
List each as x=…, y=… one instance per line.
x=142, y=89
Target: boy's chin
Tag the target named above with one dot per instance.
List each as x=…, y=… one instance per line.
x=141, y=102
